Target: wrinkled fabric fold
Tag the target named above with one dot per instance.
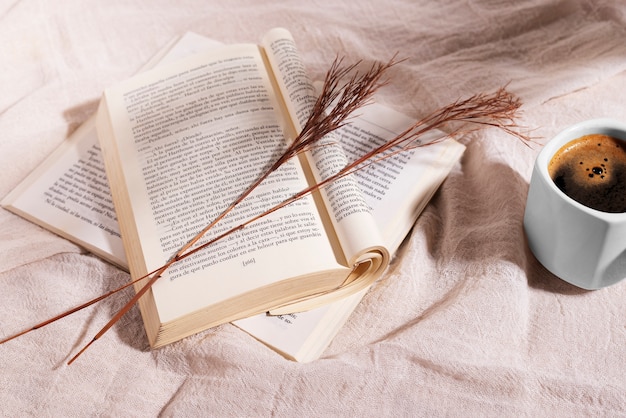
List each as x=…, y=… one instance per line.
x=464, y=323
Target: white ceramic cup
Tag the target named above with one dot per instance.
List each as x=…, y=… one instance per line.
x=583, y=246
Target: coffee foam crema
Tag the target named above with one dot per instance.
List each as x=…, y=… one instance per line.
x=592, y=171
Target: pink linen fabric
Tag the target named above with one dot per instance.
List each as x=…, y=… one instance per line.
x=465, y=323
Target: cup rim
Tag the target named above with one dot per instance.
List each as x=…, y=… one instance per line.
x=605, y=126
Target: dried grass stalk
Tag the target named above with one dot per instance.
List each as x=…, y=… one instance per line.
x=482, y=110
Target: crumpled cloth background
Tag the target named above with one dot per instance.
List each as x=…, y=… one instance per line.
x=466, y=322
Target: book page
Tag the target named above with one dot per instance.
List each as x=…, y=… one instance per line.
x=69, y=194
x=199, y=132
x=397, y=189
x=349, y=213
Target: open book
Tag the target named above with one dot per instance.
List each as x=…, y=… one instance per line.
x=69, y=195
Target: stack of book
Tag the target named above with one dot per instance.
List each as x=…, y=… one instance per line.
x=172, y=147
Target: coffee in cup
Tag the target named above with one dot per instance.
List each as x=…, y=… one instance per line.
x=592, y=171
